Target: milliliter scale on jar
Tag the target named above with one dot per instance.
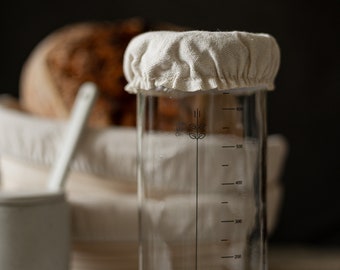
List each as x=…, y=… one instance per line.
x=201, y=147
x=197, y=132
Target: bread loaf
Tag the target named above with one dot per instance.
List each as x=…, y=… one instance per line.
x=74, y=54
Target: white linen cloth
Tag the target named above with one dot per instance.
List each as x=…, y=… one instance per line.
x=102, y=184
x=201, y=60
x=101, y=187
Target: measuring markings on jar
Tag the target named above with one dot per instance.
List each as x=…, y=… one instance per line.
x=237, y=146
x=236, y=221
x=238, y=182
x=236, y=256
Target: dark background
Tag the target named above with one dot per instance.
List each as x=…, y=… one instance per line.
x=305, y=107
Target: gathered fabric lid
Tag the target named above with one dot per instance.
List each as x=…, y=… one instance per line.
x=200, y=60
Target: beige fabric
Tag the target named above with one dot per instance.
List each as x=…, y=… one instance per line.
x=106, y=209
x=109, y=153
x=200, y=60
x=101, y=188
x=103, y=174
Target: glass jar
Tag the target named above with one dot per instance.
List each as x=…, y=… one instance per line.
x=201, y=147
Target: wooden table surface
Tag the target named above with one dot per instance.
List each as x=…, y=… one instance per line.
x=303, y=258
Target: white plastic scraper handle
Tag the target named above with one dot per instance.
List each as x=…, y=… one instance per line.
x=80, y=112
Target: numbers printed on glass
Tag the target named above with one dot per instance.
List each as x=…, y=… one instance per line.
x=238, y=221
x=237, y=146
x=239, y=182
x=236, y=256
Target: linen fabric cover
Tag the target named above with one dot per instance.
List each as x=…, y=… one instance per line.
x=200, y=60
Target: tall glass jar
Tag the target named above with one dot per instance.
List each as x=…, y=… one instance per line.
x=201, y=147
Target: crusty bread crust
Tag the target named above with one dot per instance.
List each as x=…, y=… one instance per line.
x=72, y=55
